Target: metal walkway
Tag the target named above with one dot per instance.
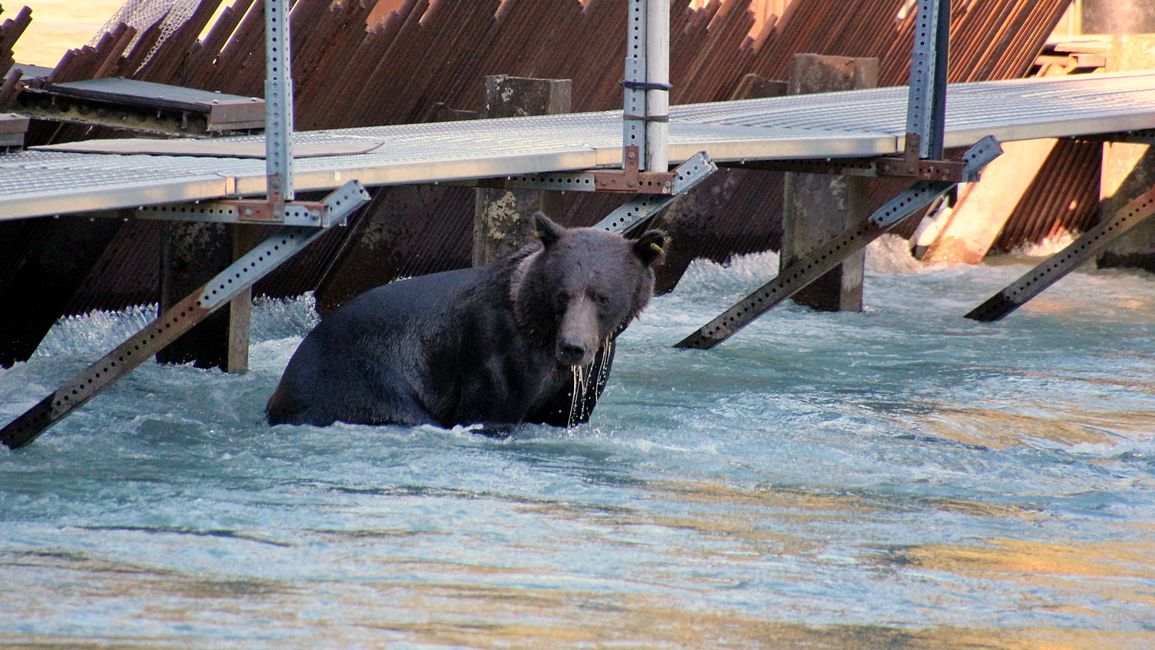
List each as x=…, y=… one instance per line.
x=115, y=174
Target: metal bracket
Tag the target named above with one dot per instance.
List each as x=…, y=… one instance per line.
x=807, y=269
x=1142, y=136
x=670, y=183
x=642, y=207
x=903, y=167
x=1057, y=266
x=316, y=214
x=631, y=178
x=177, y=320
x=911, y=165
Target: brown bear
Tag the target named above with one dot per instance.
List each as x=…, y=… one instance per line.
x=525, y=339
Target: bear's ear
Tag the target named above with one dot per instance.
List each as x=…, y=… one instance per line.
x=651, y=246
x=547, y=231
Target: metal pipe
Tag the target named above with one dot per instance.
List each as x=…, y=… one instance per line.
x=658, y=79
x=278, y=103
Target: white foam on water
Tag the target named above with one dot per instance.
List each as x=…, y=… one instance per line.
x=816, y=471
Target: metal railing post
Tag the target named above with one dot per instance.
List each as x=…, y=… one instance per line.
x=658, y=82
x=278, y=105
x=926, y=105
x=634, y=102
x=645, y=112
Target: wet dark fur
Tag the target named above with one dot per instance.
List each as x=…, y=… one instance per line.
x=496, y=345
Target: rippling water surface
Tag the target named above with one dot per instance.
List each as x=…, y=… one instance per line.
x=900, y=478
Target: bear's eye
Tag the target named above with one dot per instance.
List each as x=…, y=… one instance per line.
x=563, y=298
x=600, y=299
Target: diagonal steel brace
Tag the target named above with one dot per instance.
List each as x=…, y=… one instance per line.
x=812, y=266
x=178, y=319
x=1057, y=266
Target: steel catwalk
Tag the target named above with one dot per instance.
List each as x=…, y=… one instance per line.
x=77, y=178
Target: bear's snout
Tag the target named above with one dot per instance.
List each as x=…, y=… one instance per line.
x=573, y=352
x=577, y=339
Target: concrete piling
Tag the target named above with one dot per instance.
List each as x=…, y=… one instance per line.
x=818, y=207
x=502, y=218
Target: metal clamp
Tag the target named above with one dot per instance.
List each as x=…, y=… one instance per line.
x=632, y=179
x=695, y=170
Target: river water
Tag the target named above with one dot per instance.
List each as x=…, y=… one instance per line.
x=897, y=478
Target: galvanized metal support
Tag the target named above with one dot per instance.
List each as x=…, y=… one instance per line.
x=658, y=85
x=642, y=207
x=1060, y=264
x=278, y=104
x=805, y=270
x=598, y=180
x=645, y=111
x=926, y=100
x=177, y=320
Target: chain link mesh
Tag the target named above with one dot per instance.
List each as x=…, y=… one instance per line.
x=143, y=14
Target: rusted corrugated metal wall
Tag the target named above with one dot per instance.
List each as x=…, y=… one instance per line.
x=427, y=52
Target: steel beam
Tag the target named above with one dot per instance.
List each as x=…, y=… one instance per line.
x=278, y=104
x=926, y=103
x=807, y=269
x=177, y=320
x=634, y=79
x=1060, y=264
x=645, y=111
x=631, y=181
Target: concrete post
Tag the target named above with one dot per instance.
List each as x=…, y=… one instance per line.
x=1118, y=16
x=192, y=253
x=502, y=221
x=818, y=206
x=1129, y=169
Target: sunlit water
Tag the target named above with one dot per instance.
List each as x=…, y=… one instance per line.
x=902, y=477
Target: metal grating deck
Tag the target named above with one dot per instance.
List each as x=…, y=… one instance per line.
x=57, y=180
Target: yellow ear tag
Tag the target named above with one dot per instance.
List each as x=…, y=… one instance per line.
x=657, y=249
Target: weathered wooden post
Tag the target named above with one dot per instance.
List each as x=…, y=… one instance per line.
x=195, y=252
x=820, y=206
x=191, y=254
x=502, y=222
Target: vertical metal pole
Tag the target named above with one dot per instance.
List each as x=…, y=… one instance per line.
x=634, y=106
x=278, y=104
x=658, y=83
x=926, y=107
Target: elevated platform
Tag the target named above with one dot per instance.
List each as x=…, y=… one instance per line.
x=142, y=106
x=115, y=174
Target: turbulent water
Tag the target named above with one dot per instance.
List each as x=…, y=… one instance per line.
x=902, y=477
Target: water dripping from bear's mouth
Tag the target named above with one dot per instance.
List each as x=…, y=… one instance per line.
x=578, y=405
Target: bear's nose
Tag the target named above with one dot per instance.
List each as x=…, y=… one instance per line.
x=571, y=352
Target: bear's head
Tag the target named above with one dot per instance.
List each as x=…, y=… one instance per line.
x=578, y=288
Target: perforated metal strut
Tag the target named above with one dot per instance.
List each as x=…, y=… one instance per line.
x=278, y=104
x=1060, y=264
x=177, y=320
x=812, y=266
